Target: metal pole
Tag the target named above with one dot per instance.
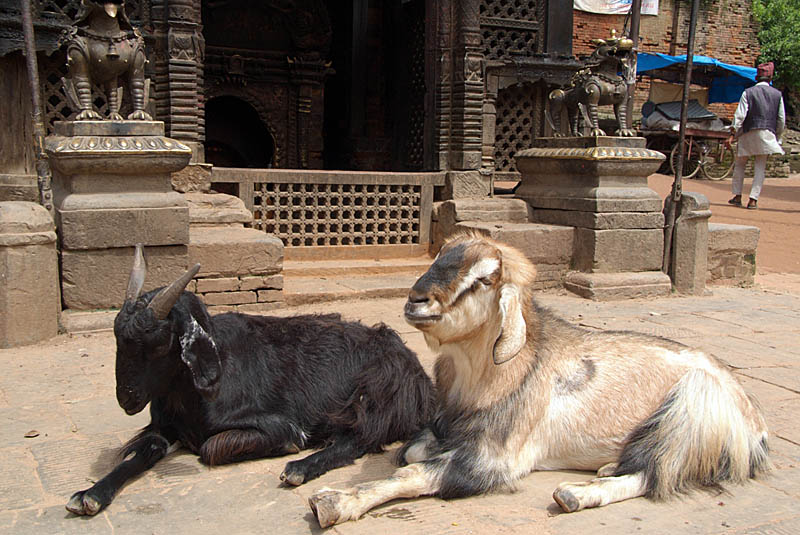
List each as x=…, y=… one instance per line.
x=675, y=196
x=42, y=165
x=636, y=15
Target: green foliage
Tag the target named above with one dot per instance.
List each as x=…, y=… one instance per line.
x=779, y=37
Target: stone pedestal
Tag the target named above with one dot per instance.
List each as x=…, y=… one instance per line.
x=29, y=300
x=689, y=264
x=732, y=254
x=599, y=186
x=112, y=190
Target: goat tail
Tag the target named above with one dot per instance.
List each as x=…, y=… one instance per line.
x=393, y=397
x=707, y=431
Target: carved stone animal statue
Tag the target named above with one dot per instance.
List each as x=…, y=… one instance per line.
x=519, y=389
x=103, y=48
x=234, y=387
x=599, y=84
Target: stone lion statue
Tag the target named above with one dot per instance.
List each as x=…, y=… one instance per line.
x=104, y=48
x=603, y=81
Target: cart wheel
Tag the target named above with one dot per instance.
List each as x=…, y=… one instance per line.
x=719, y=161
x=662, y=145
x=691, y=159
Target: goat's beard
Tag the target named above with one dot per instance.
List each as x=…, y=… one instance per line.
x=422, y=322
x=431, y=341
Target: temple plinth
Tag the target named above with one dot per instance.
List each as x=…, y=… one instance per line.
x=112, y=190
x=599, y=186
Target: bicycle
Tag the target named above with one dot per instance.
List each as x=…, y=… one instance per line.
x=713, y=156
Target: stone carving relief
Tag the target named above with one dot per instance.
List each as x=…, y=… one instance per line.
x=183, y=45
x=473, y=64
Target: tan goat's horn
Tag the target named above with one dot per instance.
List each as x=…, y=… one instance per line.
x=138, y=272
x=164, y=300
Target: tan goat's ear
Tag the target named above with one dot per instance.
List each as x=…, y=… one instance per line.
x=512, y=325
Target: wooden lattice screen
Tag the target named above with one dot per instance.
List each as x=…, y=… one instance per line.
x=510, y=28
x=338, y=214
x=517, y=120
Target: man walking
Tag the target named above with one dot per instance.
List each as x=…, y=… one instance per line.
x=758, y=123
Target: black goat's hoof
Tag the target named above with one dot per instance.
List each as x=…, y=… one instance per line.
x=292, y=475
x=82, y=503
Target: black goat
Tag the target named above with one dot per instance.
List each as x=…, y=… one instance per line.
x=236, y=387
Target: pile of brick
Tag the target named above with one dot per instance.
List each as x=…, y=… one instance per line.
x=777, y=166
x=250, y=294
x=791, y=144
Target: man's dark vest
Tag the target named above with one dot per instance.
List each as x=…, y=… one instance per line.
x=763, y=102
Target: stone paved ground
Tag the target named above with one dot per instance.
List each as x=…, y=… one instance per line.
x=62, y=391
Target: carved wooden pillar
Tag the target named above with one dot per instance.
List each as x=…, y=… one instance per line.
x=466, y=97
x=467, y=86
x=489, y=124
x=307, y=76
x=438, y=75
x=178, y=56
x=303, y=120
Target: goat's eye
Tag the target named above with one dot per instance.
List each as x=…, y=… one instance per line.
x=485, y=281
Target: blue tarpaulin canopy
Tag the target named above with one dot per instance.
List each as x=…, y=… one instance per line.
x=726, y=82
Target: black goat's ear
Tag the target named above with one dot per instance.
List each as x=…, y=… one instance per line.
x=199, y=353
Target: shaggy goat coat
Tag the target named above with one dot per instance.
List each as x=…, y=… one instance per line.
x=521, y=390
x=234, y=387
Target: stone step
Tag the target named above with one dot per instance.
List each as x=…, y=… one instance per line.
x=540, y=242
x=374, y=266
x=333, y=280
x=498, y=209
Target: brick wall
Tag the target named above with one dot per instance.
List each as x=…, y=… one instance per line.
x=247, y=294
x=726, y=30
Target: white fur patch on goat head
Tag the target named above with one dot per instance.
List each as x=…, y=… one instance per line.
x=456, y=296
x=481, y=272
x=512, y=325
x=199, y=353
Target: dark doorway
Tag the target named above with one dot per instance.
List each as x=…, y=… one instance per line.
x=374, y=101
x=235, y=136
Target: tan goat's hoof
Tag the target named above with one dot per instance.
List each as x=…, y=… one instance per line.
x=325, y=505
x=607, y=470
x=566, y=499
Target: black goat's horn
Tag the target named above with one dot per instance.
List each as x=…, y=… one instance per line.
x=164, y=300
x=138, y=272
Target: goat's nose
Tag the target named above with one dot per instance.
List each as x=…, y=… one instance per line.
x=417, y=298
x=124, y=396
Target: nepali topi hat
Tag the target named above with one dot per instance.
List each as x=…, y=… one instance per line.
x=765, y=70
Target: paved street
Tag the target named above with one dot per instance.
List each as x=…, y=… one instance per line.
x=61, y=427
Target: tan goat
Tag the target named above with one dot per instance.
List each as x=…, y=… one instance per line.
x=521, y=390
